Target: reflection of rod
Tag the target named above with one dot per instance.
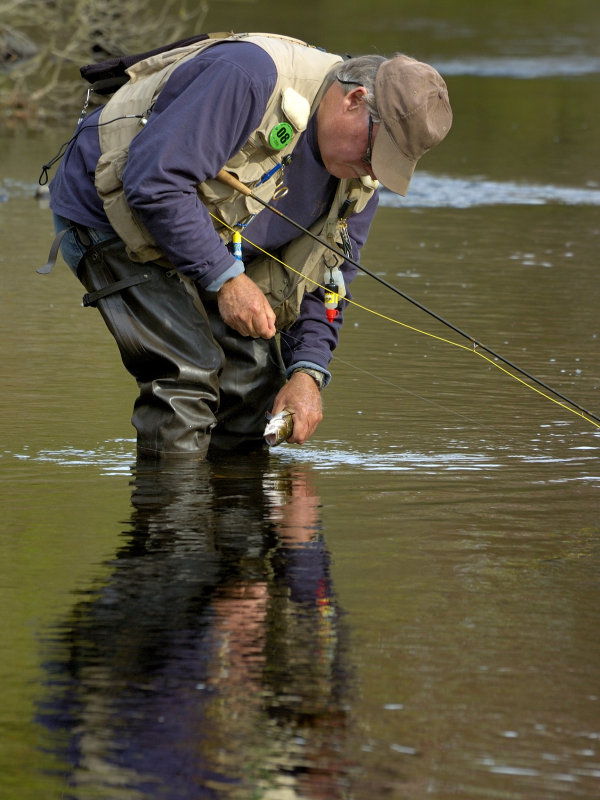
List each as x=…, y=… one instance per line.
x=232, y=181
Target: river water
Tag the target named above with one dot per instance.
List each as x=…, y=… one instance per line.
x=405, y=607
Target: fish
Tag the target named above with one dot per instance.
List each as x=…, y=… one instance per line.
x=279, y=427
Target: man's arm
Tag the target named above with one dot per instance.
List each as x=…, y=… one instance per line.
x=310, y=343
x=204, y=115
x=311, y=340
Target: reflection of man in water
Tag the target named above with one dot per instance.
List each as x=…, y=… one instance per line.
x=209, y=665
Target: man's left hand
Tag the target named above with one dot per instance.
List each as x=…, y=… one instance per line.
x=302, y=397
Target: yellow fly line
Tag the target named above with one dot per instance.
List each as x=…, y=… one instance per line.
x=474, y=349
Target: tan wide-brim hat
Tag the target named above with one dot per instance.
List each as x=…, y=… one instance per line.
x=412, y=100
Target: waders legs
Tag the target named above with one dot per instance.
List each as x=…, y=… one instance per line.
x=200, y=382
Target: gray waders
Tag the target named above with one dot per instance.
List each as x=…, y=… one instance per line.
x=200, y=382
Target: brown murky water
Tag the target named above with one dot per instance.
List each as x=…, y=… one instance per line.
x=407, y=606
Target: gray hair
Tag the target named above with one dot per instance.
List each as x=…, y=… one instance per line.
x=361, y=71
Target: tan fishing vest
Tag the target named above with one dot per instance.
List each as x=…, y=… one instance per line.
x=304, y=74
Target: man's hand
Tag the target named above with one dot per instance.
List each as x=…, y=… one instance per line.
x=302, y=397
x=245, y=308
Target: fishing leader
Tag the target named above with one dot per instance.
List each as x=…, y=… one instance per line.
x=148, y=228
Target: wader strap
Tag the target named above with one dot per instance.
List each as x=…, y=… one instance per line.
x=53, y=254
x=91, y=298
x=55, y=247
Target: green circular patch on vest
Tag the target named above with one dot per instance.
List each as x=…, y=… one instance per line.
x=281, y=135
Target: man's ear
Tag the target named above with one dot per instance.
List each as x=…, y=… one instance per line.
x=354, y=98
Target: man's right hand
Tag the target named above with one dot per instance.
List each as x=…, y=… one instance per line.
x=245, y=308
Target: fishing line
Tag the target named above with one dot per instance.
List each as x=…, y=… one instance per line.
x=476, y=348
x=234, y=183
x=580, y=412
x=403, y=389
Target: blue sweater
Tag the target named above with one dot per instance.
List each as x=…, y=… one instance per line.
x=203, y=116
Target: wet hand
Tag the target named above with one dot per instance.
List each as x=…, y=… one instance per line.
x=244, y=307
x=302, y=397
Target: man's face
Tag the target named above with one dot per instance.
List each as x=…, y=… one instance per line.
x=343, y=132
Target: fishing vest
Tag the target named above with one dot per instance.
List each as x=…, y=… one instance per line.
x=304, y=74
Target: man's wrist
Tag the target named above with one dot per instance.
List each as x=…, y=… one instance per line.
x=315, y=374
x=237, y=268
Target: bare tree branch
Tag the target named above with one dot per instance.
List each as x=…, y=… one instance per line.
x=44, y=42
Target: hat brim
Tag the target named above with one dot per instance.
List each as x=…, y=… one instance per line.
x=390, y=165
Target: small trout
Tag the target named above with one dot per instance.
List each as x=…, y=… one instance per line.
x=279, y=428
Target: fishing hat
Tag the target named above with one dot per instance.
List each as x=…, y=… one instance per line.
x=412, y=100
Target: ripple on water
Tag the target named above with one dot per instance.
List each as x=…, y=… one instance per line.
x=525, y=67
x=439, y=191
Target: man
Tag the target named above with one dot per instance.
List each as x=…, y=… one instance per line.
x=148, y=225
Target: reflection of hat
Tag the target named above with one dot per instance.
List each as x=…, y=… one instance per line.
x=412, y=100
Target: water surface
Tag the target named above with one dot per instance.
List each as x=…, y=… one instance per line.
x=405, y=607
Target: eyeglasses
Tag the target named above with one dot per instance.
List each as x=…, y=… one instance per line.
x=366, y=159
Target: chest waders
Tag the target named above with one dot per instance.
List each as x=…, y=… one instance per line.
x=200, y=383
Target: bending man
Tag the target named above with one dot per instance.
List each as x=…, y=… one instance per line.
x=149, y=227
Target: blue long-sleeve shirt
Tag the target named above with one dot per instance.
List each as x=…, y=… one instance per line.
x=203, y=116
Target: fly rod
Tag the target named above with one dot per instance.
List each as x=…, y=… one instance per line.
x=231, y=181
